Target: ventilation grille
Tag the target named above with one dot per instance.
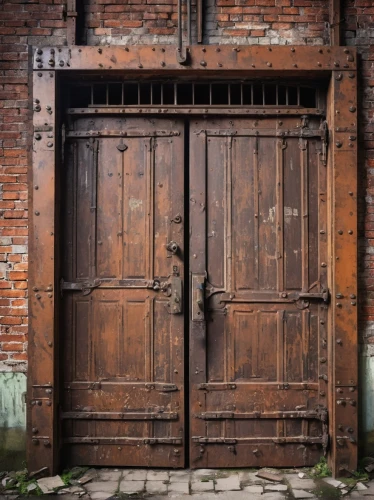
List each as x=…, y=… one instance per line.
x=192, y=94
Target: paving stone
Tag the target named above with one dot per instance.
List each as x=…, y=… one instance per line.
x=333, y=482
x=87, y=476
x=300, y=484
x=179, y=476
x=109, y=475
x=270, y=476
x=48, y=484
x=249, y=477
x=209, y=472
x=153, y=475
x=273, y=496
x=102, y=486
x=230, y=483
x=156, y=487
x=131, y=486
x=302, y=494
x=183, y=488
x=255, y=488
x=276, y=487
x=100, y=495
x=361, y=486
x=134, y=475
x=202, y=486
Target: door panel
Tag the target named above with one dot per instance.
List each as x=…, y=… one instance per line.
x=258, y=248
x=123, y=343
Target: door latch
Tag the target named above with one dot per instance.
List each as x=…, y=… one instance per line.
x=198, y=297
x=176, y=295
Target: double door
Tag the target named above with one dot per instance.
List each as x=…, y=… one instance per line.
x=194, y=292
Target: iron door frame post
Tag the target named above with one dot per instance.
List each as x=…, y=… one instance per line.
x=42, y=422
x=337, y=63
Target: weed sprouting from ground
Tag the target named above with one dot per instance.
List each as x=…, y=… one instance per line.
x=321, y=469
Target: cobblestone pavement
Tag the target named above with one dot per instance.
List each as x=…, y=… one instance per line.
x=200, y=485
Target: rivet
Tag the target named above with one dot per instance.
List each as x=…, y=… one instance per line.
x=40, y=74
x=338, y=304
x=202, y=63
x=34, y=430
x=352, y=109
x=269, y=64
x=339, y=296
x=340, y=231
x=100, y=51
x=49, y=144
x=140, y=66
x=38, y=296
x=353, y=303
x=338, y=144
x=339, y=341
x=336, y=64
x=61, y=63
x=351, y=75
x=352, y=402
x=323, y=264
x=292, y=49
x=322, y=393
x=49, y=403
x=352, y=296
x=339, y=77
x=284, y=295
x=162, y=63
x=38, y=137
x=322, y=231
x=319, y=64
x=323, y=360
x=50, y=344
x=50, y=295
x=350, y=231
x=219, y=65
x=37, y=213
x=218, y=49
x=295, y=66
x=204, y=49
x=320, y=51
x=350, y=193
x=253, y=66
x=346, y=51
x=40, y=65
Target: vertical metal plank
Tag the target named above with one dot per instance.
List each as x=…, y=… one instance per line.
x=71, y=22
x=344, y=271
x=281, y=145
x=304, y=214
x=198, y=368
x=42, y=396
x=228, y=262
x=256, y=212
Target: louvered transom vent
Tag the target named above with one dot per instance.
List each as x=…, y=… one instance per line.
x=207, y=94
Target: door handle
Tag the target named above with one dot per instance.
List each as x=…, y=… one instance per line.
x=198, y=297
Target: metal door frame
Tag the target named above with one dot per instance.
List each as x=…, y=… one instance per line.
x=339, y=65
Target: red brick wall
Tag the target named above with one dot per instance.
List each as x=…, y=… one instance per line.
x=38, y=22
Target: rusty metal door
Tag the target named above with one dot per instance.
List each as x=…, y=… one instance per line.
x=123, y=271
x=259, y=296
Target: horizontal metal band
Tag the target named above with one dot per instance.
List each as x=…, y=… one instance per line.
x=259, y=386
x=258, y=440
x=118, y=382
x=122, y=440
x=121, y=133
x=195, y=110
x=277, y=297
x=98, y=415
x=311, y=414
x=262, y=132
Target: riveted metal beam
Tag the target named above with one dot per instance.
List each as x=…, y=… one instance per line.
x=201, y=58
x=344, y=270
x=42, y=290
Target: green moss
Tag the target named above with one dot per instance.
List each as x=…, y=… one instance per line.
x=321, y=469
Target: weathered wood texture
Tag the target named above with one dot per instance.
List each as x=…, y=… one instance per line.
x=122, y=347
x=258, y=202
